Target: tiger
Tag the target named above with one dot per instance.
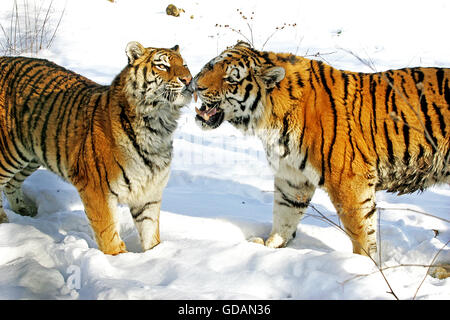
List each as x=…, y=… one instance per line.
x=113, y=143
x=350, y=134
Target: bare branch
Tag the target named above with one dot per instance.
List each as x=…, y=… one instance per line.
x=31, y=28
x=415, y=211
x=368, y=255
x=428, y=270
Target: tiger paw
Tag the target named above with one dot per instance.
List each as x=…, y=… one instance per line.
x=257, y=240
x=114, y=249
x=275, y=241
x=120, y=252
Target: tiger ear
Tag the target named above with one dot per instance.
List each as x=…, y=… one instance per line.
x=270, y=76
x=134, y=51
x=244, y=44
x=176, y=48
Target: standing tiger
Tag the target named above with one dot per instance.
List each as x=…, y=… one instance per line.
x=113, y=143
x=348, y=133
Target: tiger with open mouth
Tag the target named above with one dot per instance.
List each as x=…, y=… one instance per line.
x=346, y=132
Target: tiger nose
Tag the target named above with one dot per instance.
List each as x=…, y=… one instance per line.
x=186, y=80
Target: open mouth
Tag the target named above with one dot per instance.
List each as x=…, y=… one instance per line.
x=211, y=114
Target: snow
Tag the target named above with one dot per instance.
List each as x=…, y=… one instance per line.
x=221, y=189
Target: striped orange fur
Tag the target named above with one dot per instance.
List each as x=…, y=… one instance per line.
x=346, y=132
x=113, y=143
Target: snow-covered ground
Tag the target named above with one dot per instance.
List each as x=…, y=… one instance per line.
x=221, y=190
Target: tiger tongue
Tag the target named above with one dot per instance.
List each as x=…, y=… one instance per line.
x=211, y=112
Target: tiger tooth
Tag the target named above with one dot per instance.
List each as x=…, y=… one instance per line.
x=202, y=114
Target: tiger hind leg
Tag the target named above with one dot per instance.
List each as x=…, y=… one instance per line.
x=357, y=210
x=13, y=192
x=362, y=229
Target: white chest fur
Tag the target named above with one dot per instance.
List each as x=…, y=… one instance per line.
x=286, y=160
x=147, y=158
x=141, y=185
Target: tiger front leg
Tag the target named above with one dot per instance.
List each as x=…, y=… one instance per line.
x=291, y=198
x=101, y=212
x=146, y=219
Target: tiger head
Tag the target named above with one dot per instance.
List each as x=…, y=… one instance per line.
x=233, y=87
x=157, y=77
